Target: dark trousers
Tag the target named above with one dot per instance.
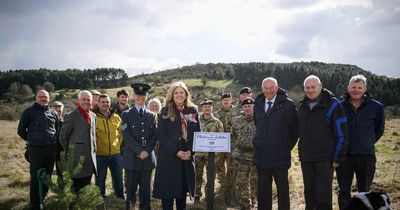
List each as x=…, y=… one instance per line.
x=364, y=168
x=317, y=178
x=40, y=157
x=58, y=159
x=264, y=197
x=80, y=183
x=168, y=204
x=141, y=178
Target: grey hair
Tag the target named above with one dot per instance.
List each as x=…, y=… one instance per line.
x=85, y=93
x=358, y=78
x=270, y=79
x=156, y=100
x=313, y=77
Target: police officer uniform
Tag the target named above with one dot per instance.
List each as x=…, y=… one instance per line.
x=139, y=133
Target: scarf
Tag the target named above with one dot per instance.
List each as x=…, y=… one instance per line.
x=85, y=114
x=183, y=123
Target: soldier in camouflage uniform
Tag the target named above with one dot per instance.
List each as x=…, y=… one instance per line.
x=223, y=115
x=243, y=130
x=245, y=92
x=208, y=123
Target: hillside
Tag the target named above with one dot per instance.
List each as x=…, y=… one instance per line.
x=290, y=76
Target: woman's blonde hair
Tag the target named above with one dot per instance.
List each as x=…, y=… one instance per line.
x=169, y=100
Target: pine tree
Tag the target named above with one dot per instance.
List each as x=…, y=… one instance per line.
x=65, y=197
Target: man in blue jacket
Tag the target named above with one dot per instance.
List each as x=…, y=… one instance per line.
x=276, y=134
x=366, y=125
x=39, y=126
x=323, y=142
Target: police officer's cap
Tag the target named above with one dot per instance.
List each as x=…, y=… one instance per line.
x=206, y=102
x=245, y=90
x=140, y=88
x=247, y=101
x=226, y=95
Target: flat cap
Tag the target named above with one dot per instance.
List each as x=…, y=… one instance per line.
x=95, y=92
x=140, y=88
x=247, y=101
x=57, y=103
x=245, y=90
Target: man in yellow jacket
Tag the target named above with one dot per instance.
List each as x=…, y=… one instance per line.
x=109, y=138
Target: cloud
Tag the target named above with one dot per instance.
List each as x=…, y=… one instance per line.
x=146, y=36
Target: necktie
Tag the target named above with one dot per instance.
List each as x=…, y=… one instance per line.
x=269, y=107
x=141, y=112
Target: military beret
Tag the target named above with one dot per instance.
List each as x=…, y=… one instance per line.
x=245, y=90
x=226, y=95
x=247, y=101
x=206, y=102
x=140, y=88
x=95, y=92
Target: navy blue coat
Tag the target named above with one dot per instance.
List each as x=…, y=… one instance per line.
x=323, y=130
x=168, y=178
x=139, y=134
x=366, y=124
x=276, y=132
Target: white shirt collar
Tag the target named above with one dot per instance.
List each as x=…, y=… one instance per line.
x=139, y=107
x=273, y=100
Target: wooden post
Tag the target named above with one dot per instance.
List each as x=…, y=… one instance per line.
x=210, y=180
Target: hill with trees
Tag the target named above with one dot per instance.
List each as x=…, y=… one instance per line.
x=290, y=76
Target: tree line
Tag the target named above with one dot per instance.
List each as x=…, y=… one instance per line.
x=11, y=80
x=290, y=76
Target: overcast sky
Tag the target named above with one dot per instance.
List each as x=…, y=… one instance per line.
x=152, y=35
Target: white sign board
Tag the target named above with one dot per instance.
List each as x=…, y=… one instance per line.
x=211, y=142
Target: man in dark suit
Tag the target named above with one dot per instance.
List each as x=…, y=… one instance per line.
x=276, y=134
x=79, y=131
x=139, y=133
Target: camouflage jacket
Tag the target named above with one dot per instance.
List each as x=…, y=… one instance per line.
x=243, y=130
x=236, y=110
x=224, y=115
x=211, y=124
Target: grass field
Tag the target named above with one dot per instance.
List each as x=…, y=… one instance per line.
x=14, y=172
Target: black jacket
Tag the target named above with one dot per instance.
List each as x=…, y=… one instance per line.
x=168, y=181
x=323, y=130
x=366, y=124
x=39, y=125
x=276, y=132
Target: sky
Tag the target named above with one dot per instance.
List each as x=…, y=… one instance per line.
x=144, y=36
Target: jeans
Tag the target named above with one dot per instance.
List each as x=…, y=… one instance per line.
x=112, y=162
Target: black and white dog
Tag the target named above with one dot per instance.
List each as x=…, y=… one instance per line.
x=369, y=201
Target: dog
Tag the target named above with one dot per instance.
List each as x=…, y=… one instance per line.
x=369, y=201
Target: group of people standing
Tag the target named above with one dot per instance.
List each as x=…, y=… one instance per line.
x=331, y=134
